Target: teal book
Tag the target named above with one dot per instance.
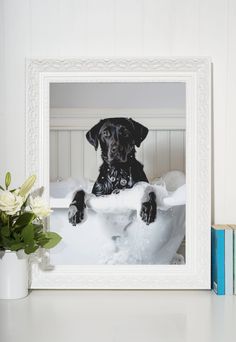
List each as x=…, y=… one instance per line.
x=229, y=265
x=233, y=226
x=218, y=259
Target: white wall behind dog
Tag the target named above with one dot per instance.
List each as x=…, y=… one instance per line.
x=71, y=155
x=65, y=28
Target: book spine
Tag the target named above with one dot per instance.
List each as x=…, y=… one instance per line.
x=229, y=261
x=218, y=261
x=213, y=258
x=235, y=261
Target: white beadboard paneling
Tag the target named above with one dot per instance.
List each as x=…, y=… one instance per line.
x=71, y=155
x=176, y=150
x=129, y=27
x=73, y=27
x=139, y=153
x=157, y=30
x=185, y=26
x=53, y=155
x=162, y=152
x=76, y=153
x=154, y=152
x=16, y=47
x=213, y=37
x=101, y=27
x=2, y=89
x=90, y=160
x=2, y=62
x=45, y=28
x=230, y=165
x=149, y=155
x=64, y=158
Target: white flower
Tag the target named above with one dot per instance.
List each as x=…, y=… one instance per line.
x=10, y=202
x=39, y=207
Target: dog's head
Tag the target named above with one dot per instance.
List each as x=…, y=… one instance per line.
x=117, y=138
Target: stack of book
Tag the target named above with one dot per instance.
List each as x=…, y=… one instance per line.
x=223, y=259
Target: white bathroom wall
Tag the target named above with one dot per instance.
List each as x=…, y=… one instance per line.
x=65, y=28
x=72, y=156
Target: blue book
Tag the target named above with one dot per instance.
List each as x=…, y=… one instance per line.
x=233, y=226
x=229, y=257
x=218, y=259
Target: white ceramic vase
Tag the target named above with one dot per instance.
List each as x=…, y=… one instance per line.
x=13, y=274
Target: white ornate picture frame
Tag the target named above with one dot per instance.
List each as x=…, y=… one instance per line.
x=196, y=73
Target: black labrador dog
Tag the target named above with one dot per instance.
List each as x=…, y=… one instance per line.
x=120, y=170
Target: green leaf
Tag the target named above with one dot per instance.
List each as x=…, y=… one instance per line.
x=16, y=246
x=38, y=229
x=17, y=237
x=7, y=179
x=6, y=242
x=13, y=190
x=54, y=240
x=42, y=241
x=24, y=219
x=1, y=188
x=4, y=218
x=28, y=233
x=30, y=249
x=5, y=231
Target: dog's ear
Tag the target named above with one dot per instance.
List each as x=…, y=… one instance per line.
x=140, y=132
x=92, y=135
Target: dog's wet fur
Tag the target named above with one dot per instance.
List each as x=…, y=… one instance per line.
x=120, y=170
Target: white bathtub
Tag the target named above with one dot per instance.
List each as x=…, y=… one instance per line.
x=98, y=241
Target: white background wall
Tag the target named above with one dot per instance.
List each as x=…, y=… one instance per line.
x=65, y=28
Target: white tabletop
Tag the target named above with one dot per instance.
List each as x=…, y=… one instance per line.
x=119, y=316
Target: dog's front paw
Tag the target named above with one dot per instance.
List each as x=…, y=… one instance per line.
x=76, y=209
x=149, y=209
x=75, y=215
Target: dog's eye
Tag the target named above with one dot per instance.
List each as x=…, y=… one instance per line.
x=124, y=133
x=106, y=133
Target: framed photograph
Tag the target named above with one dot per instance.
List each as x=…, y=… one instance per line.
x=123, y=149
